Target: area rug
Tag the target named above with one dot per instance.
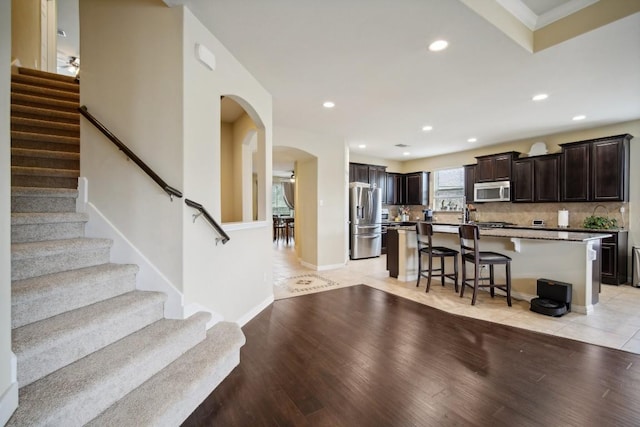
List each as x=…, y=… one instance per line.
x=303, y=284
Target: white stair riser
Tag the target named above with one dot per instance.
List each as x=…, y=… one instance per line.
x=40, y=232
x=32, y=267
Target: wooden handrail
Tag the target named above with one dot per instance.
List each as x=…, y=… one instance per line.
x=102, y=128
x=224, y=237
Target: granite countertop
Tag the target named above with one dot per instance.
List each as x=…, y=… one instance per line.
x=528, y=233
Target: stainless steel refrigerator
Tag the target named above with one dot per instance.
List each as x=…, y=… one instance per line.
x=365, y=206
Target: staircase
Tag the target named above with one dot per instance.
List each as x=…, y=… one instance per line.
x=91, y=349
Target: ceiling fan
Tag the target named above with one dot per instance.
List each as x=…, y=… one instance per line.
x=71, y=63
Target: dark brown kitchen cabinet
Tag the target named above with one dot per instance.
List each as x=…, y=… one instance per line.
x=495, y=167
x=523, y=177
x=394, y=190
x=417, y=185
x=575, y=173
x=610, y=169
x=613, y=263
x=358, y=172
x=469, y=180
x=596, y=170
x=546, y=172
x=535, y=179
x=378, y=177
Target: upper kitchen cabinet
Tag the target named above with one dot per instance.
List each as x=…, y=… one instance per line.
x=495, y=167
x=394, y=189
x=536, y=179
x=469, y=180
x=417, y=186
x=378, y=178
x=358, y=172
x=596, y=170
x=610, y=169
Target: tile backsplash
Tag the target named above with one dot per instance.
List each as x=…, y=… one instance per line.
x=525, y=213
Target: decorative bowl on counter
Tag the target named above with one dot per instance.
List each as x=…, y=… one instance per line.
x=600, y=222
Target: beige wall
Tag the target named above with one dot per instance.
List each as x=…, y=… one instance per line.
x=330, y=199
x=392, y=165
x=25, y=32
x=137, y=94
x=8, y=384
x=226, y=172
x=306, y=238
x=235, y=279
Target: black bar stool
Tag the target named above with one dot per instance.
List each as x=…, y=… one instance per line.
x=424, y=230
x=469, y=236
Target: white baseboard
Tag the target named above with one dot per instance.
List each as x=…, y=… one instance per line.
x=123, y=251
x=321, y=267
x=192, y=308
x=255, y=311
x=9, y=399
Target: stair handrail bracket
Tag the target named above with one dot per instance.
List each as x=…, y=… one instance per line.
x=171, y=191
x=224, y=237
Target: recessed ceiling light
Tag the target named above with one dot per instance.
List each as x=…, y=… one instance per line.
x=427, y=128
x=406, y=153
x=580, y=117
x=328, y=104
x=540, y=97
x=362, y=146
x=472, y=139
x=438, y=45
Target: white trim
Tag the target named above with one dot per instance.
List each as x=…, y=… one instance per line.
x=321, y=267
x=234, y=226
x=255, y=311
x=521, y=12
x=192, y=308
x=408, y=277
x=562, y=11
x=149, y=278
x=9, y=400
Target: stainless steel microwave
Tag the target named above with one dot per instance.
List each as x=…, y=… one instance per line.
x=498, y=191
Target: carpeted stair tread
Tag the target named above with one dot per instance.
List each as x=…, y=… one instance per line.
x=44, y=126
x=34, y=100
x=50, y=344
x=52, y=256
x=30, y=171
x=31, y=136
x=170, y=396
x=45, y=75
x=45, y=154
x=49, y=114
x=44, y=92
x=45, y=296
x=77, y=393
x=46, y=82
x=32, y=227
x=35, y=199
x=22, y=218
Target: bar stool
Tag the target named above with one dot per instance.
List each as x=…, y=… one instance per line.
x=424, y=230
x=469, y=249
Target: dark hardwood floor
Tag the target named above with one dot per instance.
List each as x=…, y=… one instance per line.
x=361, y=357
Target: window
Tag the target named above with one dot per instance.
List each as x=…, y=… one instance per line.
x=448, y=194
x=278, y=205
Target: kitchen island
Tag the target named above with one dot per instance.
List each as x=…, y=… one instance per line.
x=565, y=256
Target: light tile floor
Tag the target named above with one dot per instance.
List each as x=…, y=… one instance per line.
x=615, y=323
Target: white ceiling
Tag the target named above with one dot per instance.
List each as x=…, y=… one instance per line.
x=370, y=57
